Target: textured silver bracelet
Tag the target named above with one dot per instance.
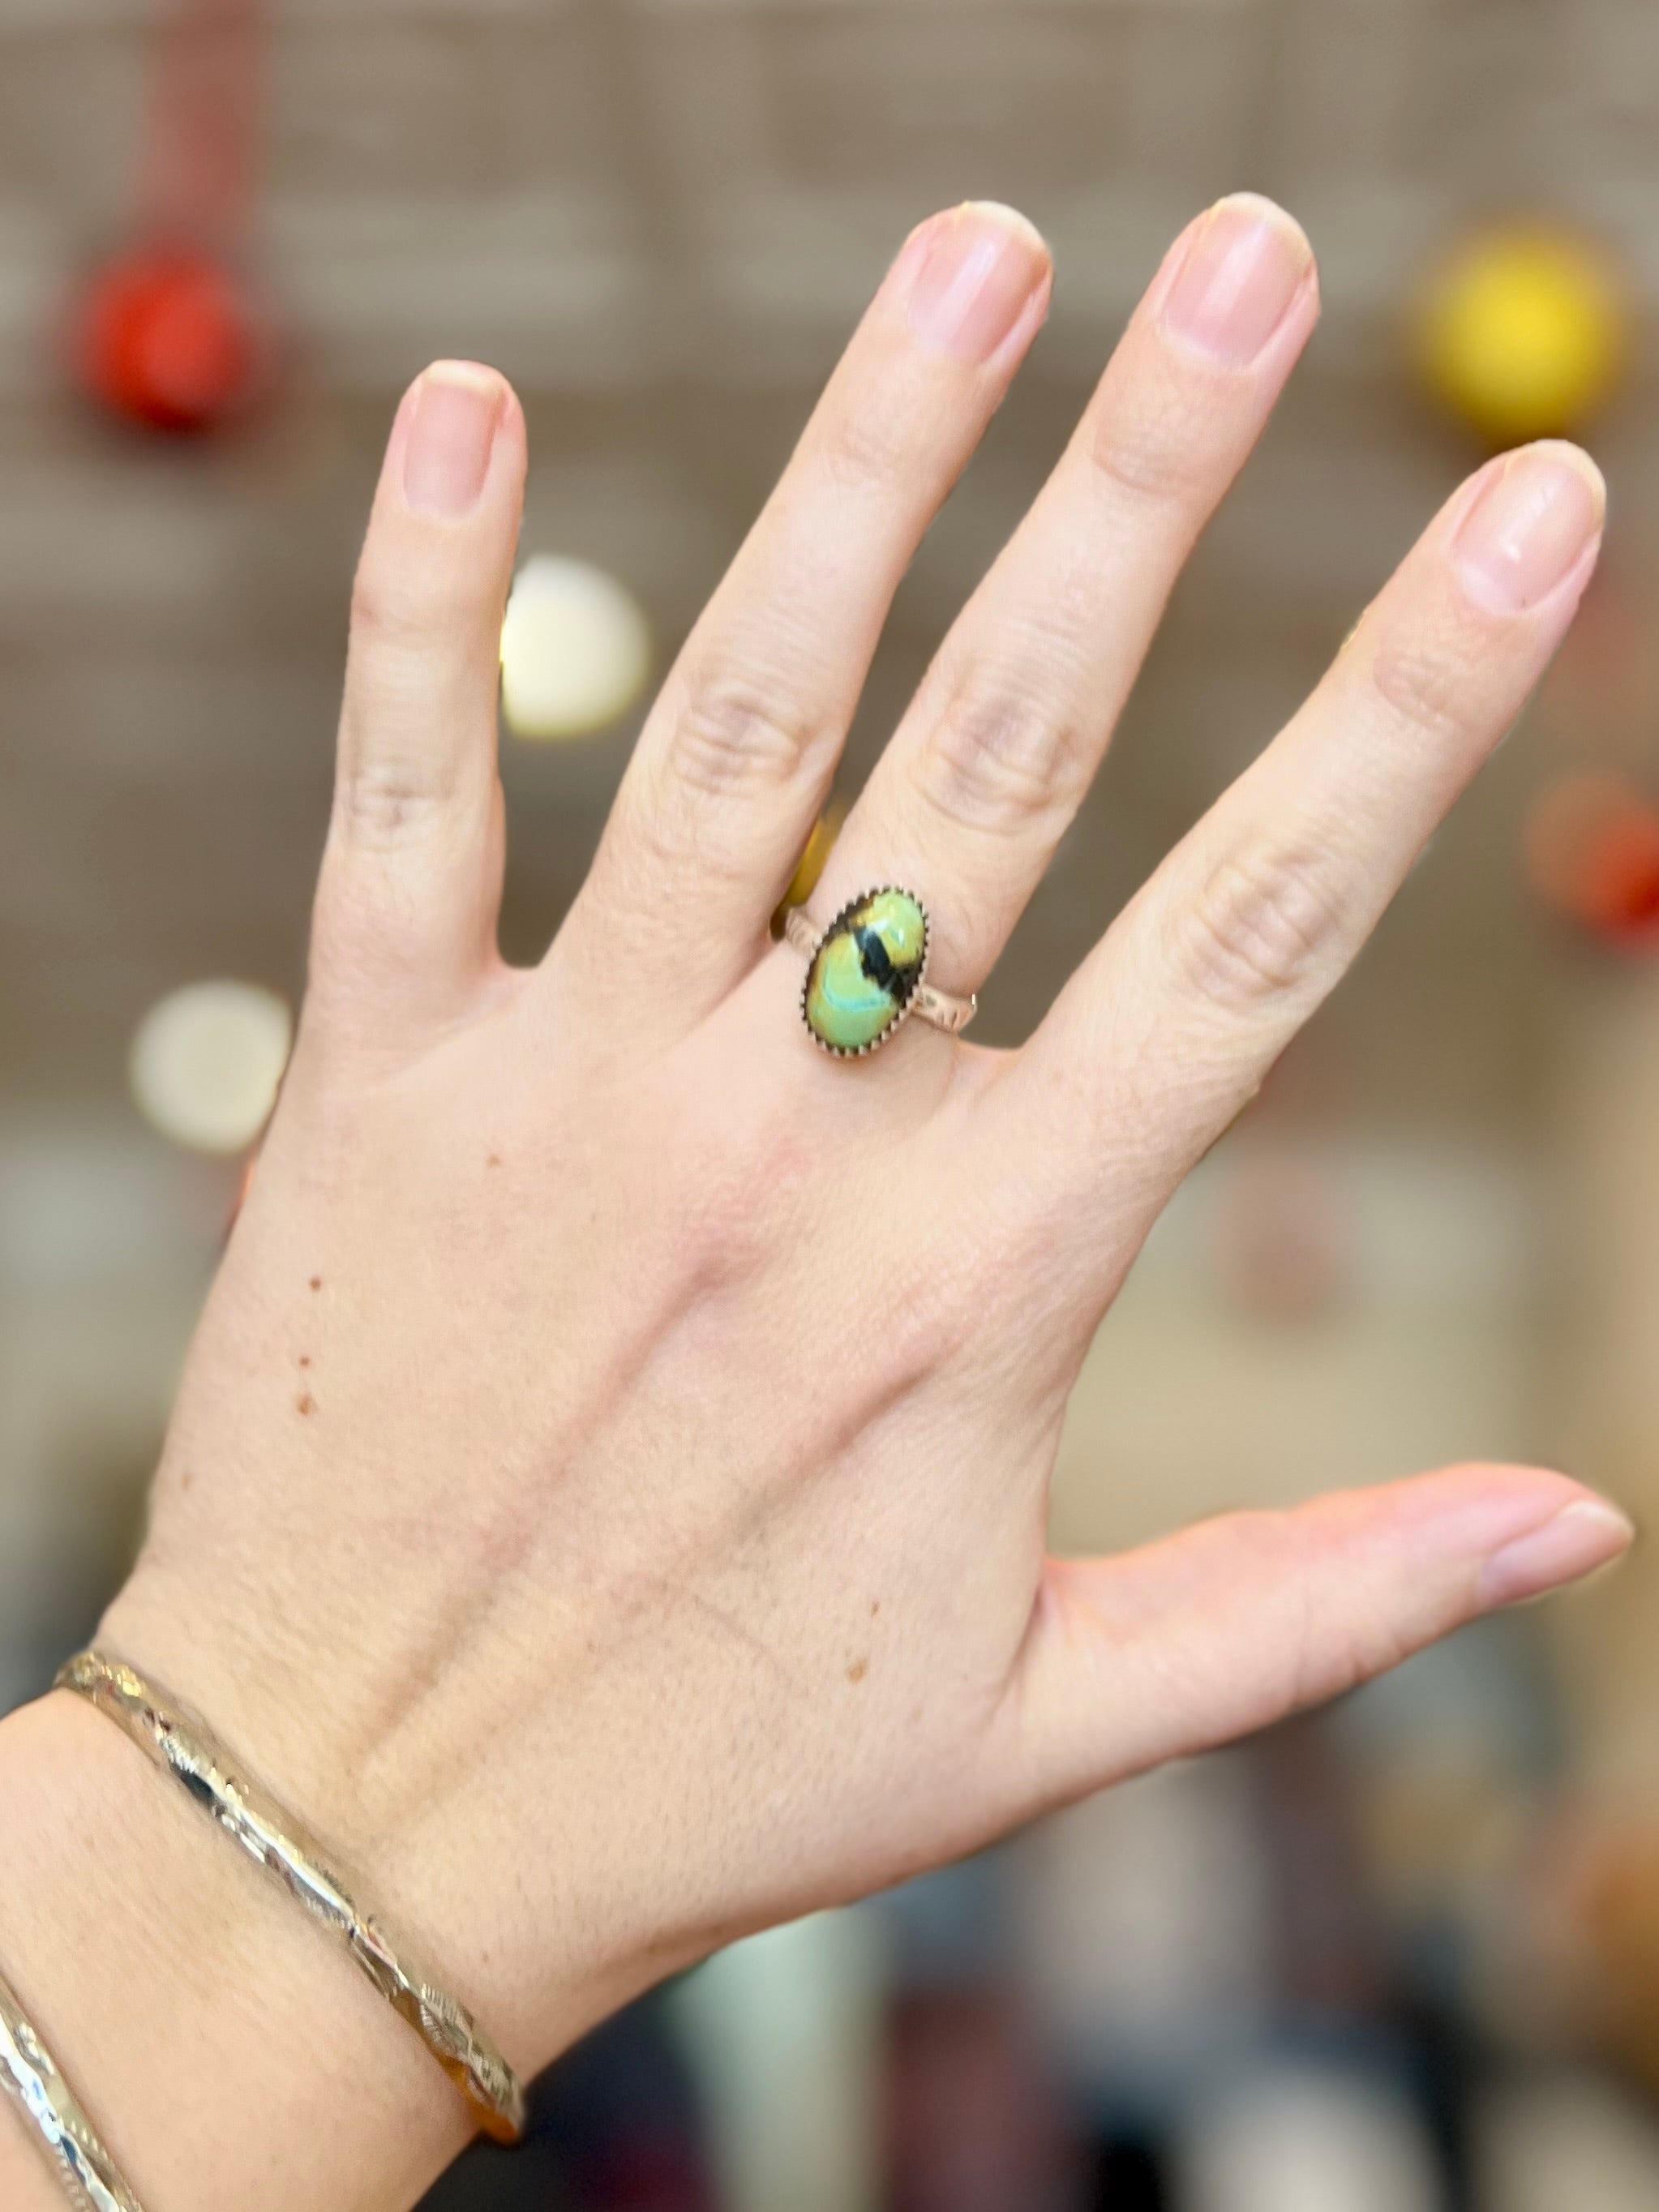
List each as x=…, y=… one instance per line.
x=182, y=1745
x=67, y=2137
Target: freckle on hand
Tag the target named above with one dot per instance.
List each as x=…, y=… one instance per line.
x=306, y=1404
x=858, y=1670
x=304, y=1359
x=494, y=1161
x=316, y=1282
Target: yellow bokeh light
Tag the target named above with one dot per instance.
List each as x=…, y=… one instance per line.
x=1524, y=333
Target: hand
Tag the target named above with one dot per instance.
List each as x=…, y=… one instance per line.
x=607, y=1494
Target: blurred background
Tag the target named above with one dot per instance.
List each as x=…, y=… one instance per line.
x=1397, y=1956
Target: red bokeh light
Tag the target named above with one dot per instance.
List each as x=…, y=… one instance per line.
x=166, y=337
x=1592, y=856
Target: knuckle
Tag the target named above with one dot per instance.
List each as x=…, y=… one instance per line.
x=863, y=447
x=734, y=1227
x=998, y=760
x=1332, y=1645
x=381, y=803
x=1262, y=924
x=425, y=604
x=385, y=611
x=1157, y=455
x=730, y=731
x=1299, y=1655
x=1423, y=686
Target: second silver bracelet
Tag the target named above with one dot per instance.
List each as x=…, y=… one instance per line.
x=72, y=2146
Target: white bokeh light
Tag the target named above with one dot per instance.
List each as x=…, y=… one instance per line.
x=206, y=1061
x=576, y=649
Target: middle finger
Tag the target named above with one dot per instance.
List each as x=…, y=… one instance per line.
x=990, y=763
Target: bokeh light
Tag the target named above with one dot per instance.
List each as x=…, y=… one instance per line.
x=576, y=649
x=165, y=338
x=1524, y=333
x=1592, y=844
x=206, y=1061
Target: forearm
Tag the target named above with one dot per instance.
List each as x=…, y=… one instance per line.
x=228, y=2052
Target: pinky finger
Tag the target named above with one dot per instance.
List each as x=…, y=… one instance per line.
x=404, y=932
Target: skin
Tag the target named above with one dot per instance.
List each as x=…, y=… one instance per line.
x=613, y=1518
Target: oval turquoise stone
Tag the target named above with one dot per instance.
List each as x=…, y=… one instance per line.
x=863, y=973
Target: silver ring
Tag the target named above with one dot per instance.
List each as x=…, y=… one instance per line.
x=866, y=973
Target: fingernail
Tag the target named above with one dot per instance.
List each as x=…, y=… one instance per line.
x=457, y=408
x=1243, y=268
x=980, y=265
x=1530, y=526
x=1582, y=1535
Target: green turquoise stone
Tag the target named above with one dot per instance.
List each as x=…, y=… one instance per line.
x=863, y=973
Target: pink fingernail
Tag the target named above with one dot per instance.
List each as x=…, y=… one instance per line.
x=980, y=265
x=1582, y=1536
x=1537, y=516
x=457, y=410
x=1244, y=267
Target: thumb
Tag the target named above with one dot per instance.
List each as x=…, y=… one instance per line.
x=1230, y=1625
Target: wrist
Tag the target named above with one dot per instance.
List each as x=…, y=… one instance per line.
x=224, y=2050
x=427, y=1786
